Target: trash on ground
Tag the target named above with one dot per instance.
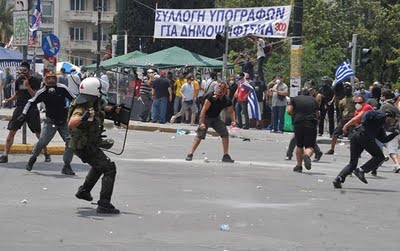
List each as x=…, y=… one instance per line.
x=224, y=227
x=24, y=201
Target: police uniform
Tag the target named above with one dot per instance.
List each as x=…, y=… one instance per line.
x=364, y=138
x=85, y=140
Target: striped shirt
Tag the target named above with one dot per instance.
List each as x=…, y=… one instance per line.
x=145, y=89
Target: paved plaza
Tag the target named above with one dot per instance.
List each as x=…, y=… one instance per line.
x=168, y=203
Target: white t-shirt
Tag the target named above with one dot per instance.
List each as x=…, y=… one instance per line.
x=203, y=86
x=105, y=83
x=260, y=48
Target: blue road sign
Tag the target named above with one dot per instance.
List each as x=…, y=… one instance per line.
x=50, y=45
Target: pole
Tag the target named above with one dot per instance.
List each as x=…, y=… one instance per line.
x=114, y=41
x=34, y=60
x=225, y=55
x=98, y=34
x=353, y=57
x=24, y=59
x=296, y=49
x=126, y=43
x=121, y=24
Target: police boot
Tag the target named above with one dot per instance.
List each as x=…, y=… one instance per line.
x=83, y=194
x=106, y=208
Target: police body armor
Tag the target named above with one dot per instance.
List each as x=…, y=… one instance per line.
x=87, y=134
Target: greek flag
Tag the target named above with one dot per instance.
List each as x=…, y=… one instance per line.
x=252, y=107
x=36, y=19
x=343, y=71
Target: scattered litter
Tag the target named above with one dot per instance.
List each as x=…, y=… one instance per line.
x=181, y=132
x=140, y=217
x=110, y=232
x=24, y=201
x=341, y=144
x=188, y=190
x=164, y=157
x=224, y=227
x=127, y=205
x=320, y=181
x=305, y=191
x=228, y=216
x=173, y=137
x=206, y=160
x=158, y=212
x=246, y=139
x=259, y=187
x=44, y=188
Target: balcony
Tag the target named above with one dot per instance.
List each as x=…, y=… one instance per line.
x=84, y=45
x=88, y=16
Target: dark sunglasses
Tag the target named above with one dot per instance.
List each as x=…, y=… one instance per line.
x=359, y=102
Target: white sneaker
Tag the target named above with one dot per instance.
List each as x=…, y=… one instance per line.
x=396, y=169
x=172, y=119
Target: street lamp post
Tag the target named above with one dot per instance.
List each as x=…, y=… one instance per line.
x=99, y=8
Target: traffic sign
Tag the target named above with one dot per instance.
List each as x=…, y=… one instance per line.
x=50, y=45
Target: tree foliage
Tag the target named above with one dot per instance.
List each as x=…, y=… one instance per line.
x=6, y=21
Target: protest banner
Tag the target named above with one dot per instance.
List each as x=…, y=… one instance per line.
x=207, y=23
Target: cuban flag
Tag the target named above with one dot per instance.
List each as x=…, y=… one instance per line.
x=252, y=107
x=36, y=19
x=344, y=71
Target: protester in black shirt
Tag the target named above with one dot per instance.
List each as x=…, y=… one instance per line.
x=162, y=93
x=259, y=87
x=327, y=106
x=364, y=138
x=53, y=95
x=304, y=109
x=25, y=88
x=214, y=103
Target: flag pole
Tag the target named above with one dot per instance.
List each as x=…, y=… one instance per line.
x=353, y=57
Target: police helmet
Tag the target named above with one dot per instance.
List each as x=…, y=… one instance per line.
x=89, y=89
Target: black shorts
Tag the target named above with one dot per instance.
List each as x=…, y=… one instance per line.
x=305, y=136
x=217, y=124
x=32, y=119
x=339, y=128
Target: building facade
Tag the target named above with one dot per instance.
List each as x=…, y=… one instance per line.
x=74, y=22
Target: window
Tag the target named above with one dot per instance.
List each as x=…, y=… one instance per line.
x=77, y=61
x=103, y=35
x=77, y=4
x=103, y=5
x=47, y=12
x=76, y=33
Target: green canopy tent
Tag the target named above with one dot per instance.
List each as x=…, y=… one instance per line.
x=115, y=62
x=173, y=57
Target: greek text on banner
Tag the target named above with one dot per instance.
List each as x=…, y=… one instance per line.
x=207, y=23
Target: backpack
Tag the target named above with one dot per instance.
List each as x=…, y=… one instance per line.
x=267, y=49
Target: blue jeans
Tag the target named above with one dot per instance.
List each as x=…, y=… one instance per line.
x=177, y=104
x=159, y=109
x=242, y=107
x=278, y=117
x=47, y=134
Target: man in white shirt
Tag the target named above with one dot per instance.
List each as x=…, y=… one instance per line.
x=74, y=81
x=260, y=43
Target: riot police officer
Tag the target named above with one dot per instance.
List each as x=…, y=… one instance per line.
x=86, y=117
x=364, y=138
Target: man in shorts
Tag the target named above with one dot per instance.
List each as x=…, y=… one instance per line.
x=25, y=88
x=304, y=109
x=214, y=103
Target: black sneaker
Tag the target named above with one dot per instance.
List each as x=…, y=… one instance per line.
x=298, y=169
x=3, y=159
x=227, y=158
x=318, y=156
x=67, y=170
x=83, y=194
x=31, y=161
x=374, y=173
x=307, y=161
x=189, y=157
x=330, y=152
x=337, y=183
x=47, y=158
x=360, y=174
x=106, y=208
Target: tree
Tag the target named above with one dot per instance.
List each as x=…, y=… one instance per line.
x=6, y=21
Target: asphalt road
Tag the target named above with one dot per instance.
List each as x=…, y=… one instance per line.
x=170, y=204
